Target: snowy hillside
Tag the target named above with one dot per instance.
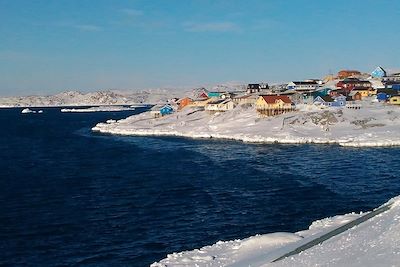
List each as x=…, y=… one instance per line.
x=74, y=98
x=374, y=124
x=374, y=242
x=112, y=97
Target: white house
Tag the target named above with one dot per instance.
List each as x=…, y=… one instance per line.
x=220, y=105
x=303, y=85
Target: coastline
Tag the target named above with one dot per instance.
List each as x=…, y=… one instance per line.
x=359, y=239
x=343, y=127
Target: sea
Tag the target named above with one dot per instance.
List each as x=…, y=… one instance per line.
x=73, y=197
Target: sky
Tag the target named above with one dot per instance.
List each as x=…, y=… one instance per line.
x=49, y=46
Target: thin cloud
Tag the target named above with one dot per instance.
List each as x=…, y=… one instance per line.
x=131, y=12
x=211, y=27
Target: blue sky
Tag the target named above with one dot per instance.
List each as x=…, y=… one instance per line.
x=48, y=46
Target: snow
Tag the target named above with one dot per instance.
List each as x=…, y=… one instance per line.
x=375, y=242
x=98, y=109
x=375, y=124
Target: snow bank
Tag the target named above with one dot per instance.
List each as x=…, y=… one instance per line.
x=98, y=109
x=375, y=242
x=373, y=125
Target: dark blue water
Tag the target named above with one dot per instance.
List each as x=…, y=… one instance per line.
x=69, y=197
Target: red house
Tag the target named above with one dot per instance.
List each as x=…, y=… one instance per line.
x=349, y=84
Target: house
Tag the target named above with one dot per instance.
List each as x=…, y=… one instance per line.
x=220, y=105
x=271, y=105
x=392, y=77
x=396, y=87
x=302, y=85
x=379, y=73
x=343, y=74
x=394, y=100
x=200, y=94
x=298, y=97
x=183, y=102
x=323, y=100
x=161, y=110
x=383, y=95
x=365, y=92
x=356, y=96
x=201, y=103
x=328, y=101
x=321, y=92
x=245, y=99
x=351, y=83
x=256, y=87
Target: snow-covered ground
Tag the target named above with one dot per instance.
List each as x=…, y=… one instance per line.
x=98, y=109
x=375, y=242
x=375, y=124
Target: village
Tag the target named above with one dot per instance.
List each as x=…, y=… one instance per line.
x=348, y=89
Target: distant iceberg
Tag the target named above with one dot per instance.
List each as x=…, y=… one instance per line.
x=27, y=110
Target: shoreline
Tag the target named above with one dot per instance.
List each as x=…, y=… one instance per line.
x=247, y=140
x=375, y=126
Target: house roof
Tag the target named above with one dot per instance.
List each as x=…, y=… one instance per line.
x=354, y=81
x=379, y=68
x=271, y=99
x=349, y=71
x=387, y=91
x=216, y=102
x=326, y=98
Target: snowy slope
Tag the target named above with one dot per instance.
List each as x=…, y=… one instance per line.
x=375, y=124
x=375, y=242
x=74, y=98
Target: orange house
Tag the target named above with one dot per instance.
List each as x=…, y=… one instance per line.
x=183, y=102
x=343, y=74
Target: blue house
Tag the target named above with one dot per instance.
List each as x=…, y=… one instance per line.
x=214, y=94
x=383, y=95
x=323, y=100
x=328, y=101
x=339, y=101
x=161, y=110
x=166, y=109
x=321, y=92
x=379, y=72
x=396, y=87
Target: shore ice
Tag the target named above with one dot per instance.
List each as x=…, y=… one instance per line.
x=375, y=242
x=375, y=124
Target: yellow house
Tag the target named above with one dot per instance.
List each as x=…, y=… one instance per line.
x=200, y=103
x=394, y=100
x=273, y=102
x=271, y=105
x=364, y=92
